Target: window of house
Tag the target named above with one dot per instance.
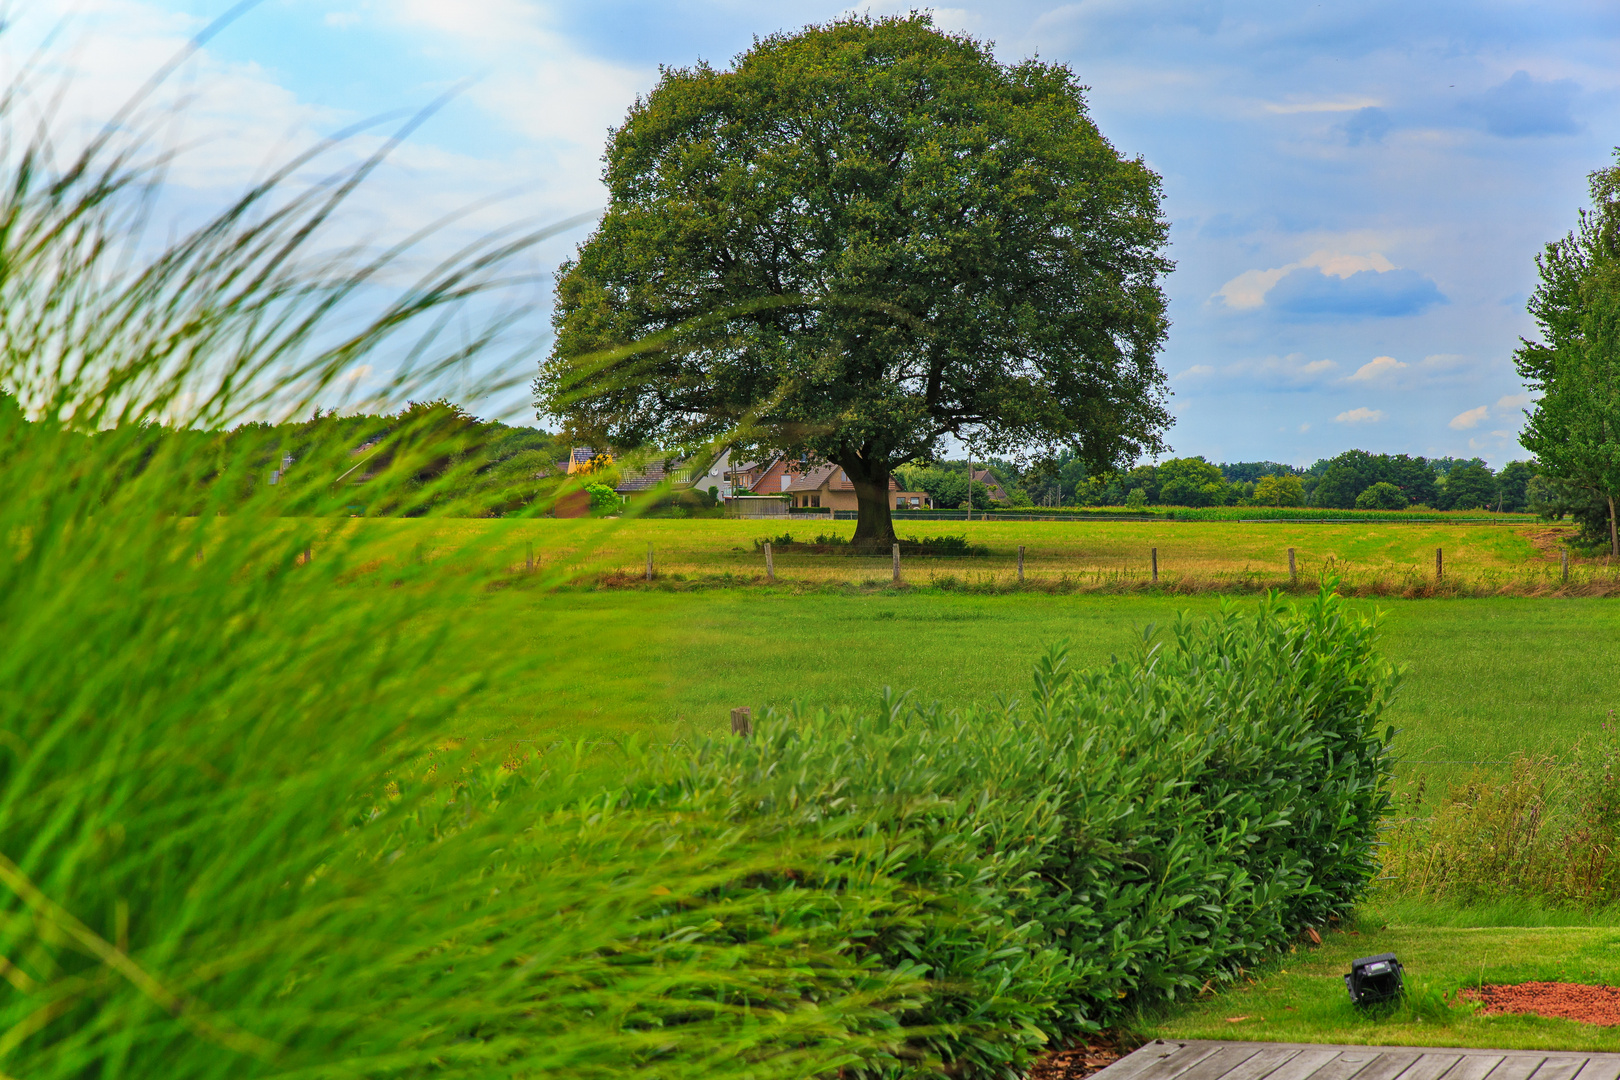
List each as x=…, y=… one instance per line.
x=916, y=503
x=815, y=500
x=899, y=504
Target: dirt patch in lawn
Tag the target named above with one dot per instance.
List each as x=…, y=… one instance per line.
x=1599, y=1005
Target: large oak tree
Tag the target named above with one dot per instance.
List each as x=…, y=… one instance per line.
x=864, y=238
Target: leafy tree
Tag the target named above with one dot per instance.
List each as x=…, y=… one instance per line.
x=1574, y=429
x=1275, y=490
x=1555, y=499
x=1382, y=496
x=864, y=238
x=1345, y=477
x=1191, y=482
x=1469, y=486
x=1511, y=485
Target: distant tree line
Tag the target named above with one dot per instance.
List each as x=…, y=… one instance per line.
x=1353, y=480
x=439, y=458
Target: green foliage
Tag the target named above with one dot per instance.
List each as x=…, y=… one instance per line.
x=862, y=238
x=1192, y=482
x=1275, y=490
x=1137, y=499
x=1127, y=836
x=1469, y=486
x=1512, y=485
x=1345, y=477
x=947, y=487
x=1574, y=426
x=1381, y=496
x=604, y=500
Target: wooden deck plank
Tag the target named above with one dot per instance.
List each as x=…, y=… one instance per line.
x=1196, y=1059
x=1389, y=1065
x=1517, y=1066
x=1477, y=1066
x=1349, y=1061
x=1560, y=1067
x=1221, y=1063
x=1166, y=1058
x=1271, y=1058
x=1431, y=1066
x=1308, y=1064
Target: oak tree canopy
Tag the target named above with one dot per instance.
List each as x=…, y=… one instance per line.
x=864, y=238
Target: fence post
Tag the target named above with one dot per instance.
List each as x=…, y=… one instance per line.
x=1155, y=564
x=1020, y=564
x=528, y=563
x=309, y=554
x=1565, y=555
x=1293, y=571
x=742, y=722
x=897, y=564
x=1439, y=565
x=649, y=562
x=770, y=563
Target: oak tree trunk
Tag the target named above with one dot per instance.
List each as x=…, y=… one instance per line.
x=873, y=523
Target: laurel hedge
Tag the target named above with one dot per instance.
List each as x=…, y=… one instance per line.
x=1122, y=838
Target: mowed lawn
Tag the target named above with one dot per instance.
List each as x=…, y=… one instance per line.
x=1486, y=678
x=1084, y=551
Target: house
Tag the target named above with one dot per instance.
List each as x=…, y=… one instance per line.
x=828, y=487
x=988, y=479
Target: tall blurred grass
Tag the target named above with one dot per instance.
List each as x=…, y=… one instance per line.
x=234, y=840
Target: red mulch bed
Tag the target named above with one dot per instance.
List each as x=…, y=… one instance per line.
x=1598, y=1005
x=1079, y=1061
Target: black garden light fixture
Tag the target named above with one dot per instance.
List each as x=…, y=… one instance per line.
x=1374, y=979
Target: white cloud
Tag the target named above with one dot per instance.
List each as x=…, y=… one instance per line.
x=1196, y=370
x=1444, y=361
x=1248, y=289
x=1513, y=401
x=1303, y=428
x=1376, y=367
x=1360, y=416
x=1470, y=419
x=341, y=20
x=1292, y=370
x=1341, y=105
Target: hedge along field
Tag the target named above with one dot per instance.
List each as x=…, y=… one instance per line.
x=1373, y=558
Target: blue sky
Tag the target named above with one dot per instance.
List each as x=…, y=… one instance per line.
x=1357, y=190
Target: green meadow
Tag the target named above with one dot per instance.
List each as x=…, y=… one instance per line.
x=1486, y=677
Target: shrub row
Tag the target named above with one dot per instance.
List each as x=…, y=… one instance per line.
x=1122, y=838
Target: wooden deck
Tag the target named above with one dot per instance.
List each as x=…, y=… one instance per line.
x=1199, y=1060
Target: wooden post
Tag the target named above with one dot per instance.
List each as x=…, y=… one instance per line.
x=1439, y=565
x=528, y=562
x=770, y=563
x=1293, y=571
x=649, y=562
x=1020, y=564
x=741, y=722
x=309, y=554
x=1565, y=555
x=897, y=564
x=1155, y=564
